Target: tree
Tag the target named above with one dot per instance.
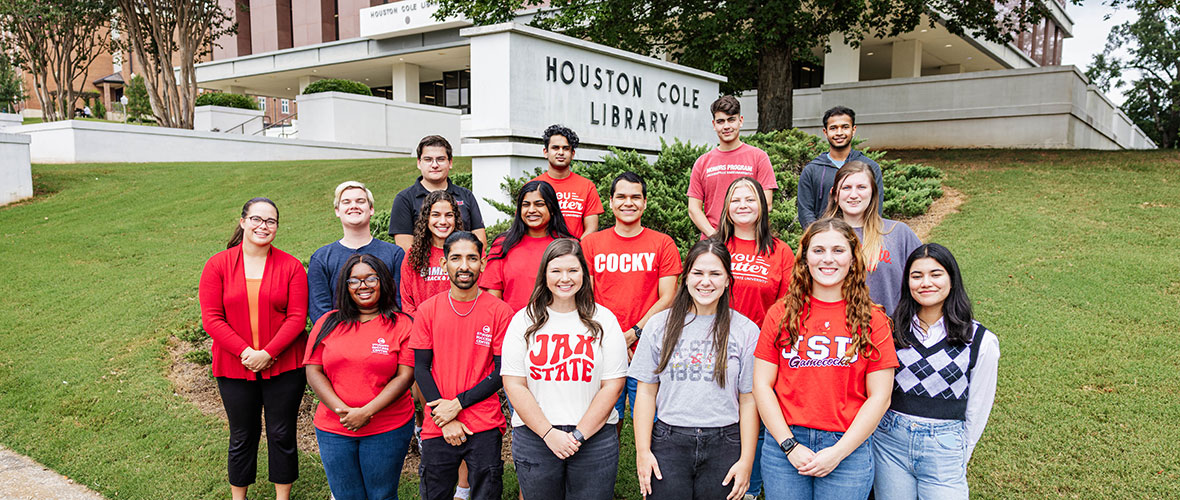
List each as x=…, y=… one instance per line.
x=159, y=30
x=12, y=89
x=1150, y=71
x=138, y=102
x=56, y=42
x=755, y=43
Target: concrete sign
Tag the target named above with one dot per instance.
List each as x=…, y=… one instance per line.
x=524, y=79
x=404, y=18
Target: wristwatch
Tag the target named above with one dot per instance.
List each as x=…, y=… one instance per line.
x=638, y=331
x=578, y=435
x=787, y=445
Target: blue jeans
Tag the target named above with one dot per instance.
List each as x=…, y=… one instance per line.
x=756, y=472
x=365, y=467
x=693, y=461
x=587, y=475
x=919, y=459
x=627, y=397
x=851, y=480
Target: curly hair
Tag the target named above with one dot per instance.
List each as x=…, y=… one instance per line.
x=858, y=307
x=420, y=249
x=563, y=131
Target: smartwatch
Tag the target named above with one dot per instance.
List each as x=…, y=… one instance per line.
x=578, y=435
x=638, y=331
x=787, y=445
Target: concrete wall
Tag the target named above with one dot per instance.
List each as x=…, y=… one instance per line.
x=10, y=120
x=222, y=119
x=1051, y=107
x=74, y=141
x=360, y=119
x=16, y=176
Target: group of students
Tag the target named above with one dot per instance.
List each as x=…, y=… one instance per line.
x=748, y=369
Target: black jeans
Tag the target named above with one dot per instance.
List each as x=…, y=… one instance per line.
x=440, y=467
x=587, y=475
x=244, y=401
x=693, y=461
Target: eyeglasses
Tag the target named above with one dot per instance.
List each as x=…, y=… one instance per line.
x=371, y=282
x=441, y=160
x=258, y=221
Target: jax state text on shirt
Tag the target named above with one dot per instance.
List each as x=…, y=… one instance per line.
x=554, y=359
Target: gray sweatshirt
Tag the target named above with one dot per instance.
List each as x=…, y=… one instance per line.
x=815, y=184
x=888, y=281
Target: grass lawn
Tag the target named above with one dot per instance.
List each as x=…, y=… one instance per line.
x=1070, y=257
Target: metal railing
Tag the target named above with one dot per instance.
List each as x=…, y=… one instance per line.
x=241, y=127
x=284, y=122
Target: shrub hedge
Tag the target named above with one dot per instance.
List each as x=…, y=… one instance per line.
x=338, y=85
x=226, y=99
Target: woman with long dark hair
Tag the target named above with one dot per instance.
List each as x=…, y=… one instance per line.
x=944, y=389
x=884, y=243
x=254, y=304
x=514, y=255
x=422, y=273
x=824, y=372
x=695, y=367
x=564, y=365
x=360, y=367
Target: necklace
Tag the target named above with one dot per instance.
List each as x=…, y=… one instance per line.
x=451, y=301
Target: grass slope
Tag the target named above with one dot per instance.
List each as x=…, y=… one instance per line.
x=1070, y=256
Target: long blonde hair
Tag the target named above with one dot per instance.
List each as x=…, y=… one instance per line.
x=874, y=226
x=858, y=307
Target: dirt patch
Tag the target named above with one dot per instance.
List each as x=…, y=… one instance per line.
x=193, y=382
x=948, y=204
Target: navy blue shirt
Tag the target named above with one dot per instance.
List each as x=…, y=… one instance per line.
x=406, y=205
x=324, y=269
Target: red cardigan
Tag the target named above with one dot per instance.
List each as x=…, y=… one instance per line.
x=282, y=312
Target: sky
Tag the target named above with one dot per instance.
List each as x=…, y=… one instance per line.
x=1089, y=35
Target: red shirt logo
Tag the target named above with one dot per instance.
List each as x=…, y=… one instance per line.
x=554, y=359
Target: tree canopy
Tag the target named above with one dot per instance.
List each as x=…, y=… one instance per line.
x=1150, y=70
x=755, y=43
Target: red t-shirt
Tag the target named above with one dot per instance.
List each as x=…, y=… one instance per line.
x=359, y=361
x=714, y=171
x=627, y=271
x=416, y=288
x=515, y=274
x=466, y=345
x=816, y=389
x=578, y=198
x=758, y=280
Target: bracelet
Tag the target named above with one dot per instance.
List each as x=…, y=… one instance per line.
x=547, y=432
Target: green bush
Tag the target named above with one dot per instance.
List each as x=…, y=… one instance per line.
x=138, y=103
x=226, y=99
x=199, y=356
x=338, y=85
x=99, y=110
x=379, y=225
x=909, y=188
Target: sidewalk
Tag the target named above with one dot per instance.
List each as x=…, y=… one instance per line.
x=23, y=479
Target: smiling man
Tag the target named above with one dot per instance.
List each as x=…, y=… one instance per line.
x=714, y=171
x=578, y=197
x=434, y=162
x=633, y=268
x=354, y=206
x=457, y=340
x=815, y=182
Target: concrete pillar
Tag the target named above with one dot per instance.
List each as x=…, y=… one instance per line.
x=907, y=59
x=236, y=89
x=842, y=64
x=270, y=25
x=16, y=176
x=312, y=22
x=304, y=81
x=232, y=45
x=405, y=82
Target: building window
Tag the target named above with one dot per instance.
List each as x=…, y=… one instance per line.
x=286, y=106
x=453, y=91
x=262, y=103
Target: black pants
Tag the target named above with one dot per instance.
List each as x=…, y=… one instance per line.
x=693, y=460
x=244, y=401
x=485, y=469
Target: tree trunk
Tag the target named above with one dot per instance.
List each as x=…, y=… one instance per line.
x=775, y=88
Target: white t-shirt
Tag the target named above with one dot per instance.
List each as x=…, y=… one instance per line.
x=562, y=365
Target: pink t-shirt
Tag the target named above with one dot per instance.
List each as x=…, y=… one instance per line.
x=714, y=171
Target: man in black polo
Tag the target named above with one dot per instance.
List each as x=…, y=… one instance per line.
x=434, y=161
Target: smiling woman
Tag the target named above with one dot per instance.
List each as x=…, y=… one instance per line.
x=254, y=305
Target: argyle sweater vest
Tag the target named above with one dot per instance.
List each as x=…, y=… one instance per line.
x=933, y=381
